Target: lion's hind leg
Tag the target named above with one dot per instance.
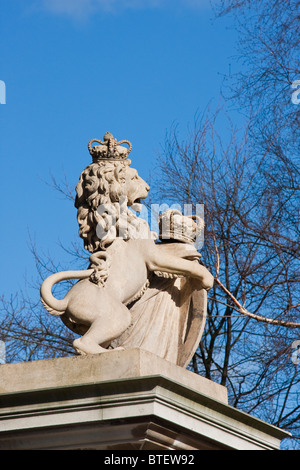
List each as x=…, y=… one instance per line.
x=104, y=329
x=83, y=346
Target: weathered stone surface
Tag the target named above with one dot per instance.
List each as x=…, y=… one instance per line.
x=127, y=400
x=114, y=365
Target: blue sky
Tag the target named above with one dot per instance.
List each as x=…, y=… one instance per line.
x=75, y=69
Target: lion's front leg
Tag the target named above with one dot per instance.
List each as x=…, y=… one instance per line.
x=179, y=259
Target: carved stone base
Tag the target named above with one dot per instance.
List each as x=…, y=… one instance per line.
x=125, y=400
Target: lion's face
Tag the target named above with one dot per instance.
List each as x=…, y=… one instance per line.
x=135, y=187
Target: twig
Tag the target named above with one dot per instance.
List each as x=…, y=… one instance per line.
x=242, y=310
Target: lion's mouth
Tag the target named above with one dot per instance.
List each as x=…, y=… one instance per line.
x=137, y=205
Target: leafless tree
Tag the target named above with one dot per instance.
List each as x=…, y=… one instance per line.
x=268, y=65
x=252, y=246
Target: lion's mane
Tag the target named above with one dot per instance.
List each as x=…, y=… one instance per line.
x=101, y=184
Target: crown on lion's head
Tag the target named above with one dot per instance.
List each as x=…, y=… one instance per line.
x=109, y=150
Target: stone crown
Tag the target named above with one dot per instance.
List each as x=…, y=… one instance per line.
x=110, y=149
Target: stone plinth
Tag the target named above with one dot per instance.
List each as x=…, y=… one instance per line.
x=129, y=400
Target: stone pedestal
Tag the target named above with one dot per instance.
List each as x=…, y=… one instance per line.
x=126, y=400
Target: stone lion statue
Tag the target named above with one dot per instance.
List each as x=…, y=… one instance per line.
x=124, y=252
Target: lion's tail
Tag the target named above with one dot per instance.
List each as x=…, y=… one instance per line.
x=53, y=305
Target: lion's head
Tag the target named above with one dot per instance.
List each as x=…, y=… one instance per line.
x=103, y=188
